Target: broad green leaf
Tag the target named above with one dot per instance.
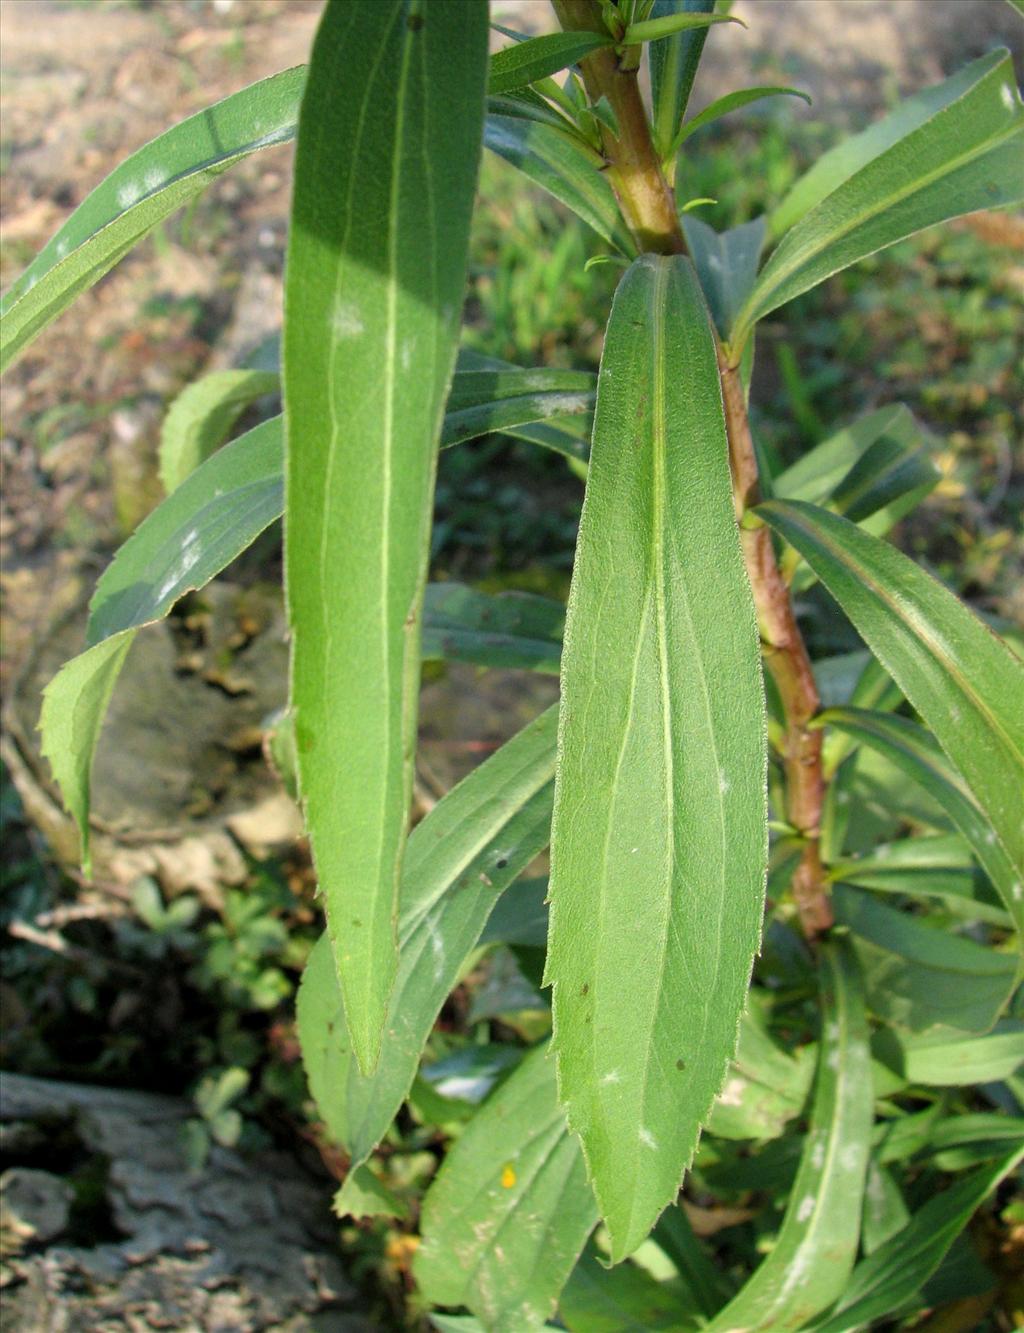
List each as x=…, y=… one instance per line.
x=365, y=1195
x=836, y=166
x=74, y=705
x=731, y=102
x=673, y=63
x=658, y=838
x=726, y=263
x=385, y=175
x=964, y=156
x=901, y=1266
x=907, y=745
x=510, y=1209
x=624, y=1299
x=201, y=417
x=564, y=169
x=511, y=629
x=941, y=1061
x=146, y=188
x=918, y=976
x=537, y=57
x=215, y=514
x=810, y=1263
x=460, y=858
x=965, y=683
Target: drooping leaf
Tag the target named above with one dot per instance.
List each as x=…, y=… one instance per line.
x=810, y=1263
x=918, y=977
x=726, y=263
x=901, y=1266
x=460, y=858
x=563, y=168
x=722, y=106
x=209, y=519
x=510, y=1209
x=74, y=705
x=385, y=175
x=965, y=683
x=623, y=1299
x=907, y=745
x=962, y=154
x=146, y=188
x=673, y=62
x=658, y=841
x=537, y=57
x=201, y=417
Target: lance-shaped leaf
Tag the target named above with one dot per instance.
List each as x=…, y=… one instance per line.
x=201, y=417
x=731, y=102
x=146, y=188
x=964, y=154
x=658, y=842
x=385, y=174
x=918, y=977
x=913, y=750
x=810, y=1263
x=510, y=1210
x=512, y=629
x=537, y=57
x=673, y=62
x=901, y=1266
x=460, y=858
x=815, y=475
x=964, y=682
x=482, y=401
x=564, y=168
x=943, y=1061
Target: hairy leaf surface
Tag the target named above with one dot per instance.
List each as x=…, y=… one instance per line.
x=460, y=858
x=385, y=175
x=658, y=841
x=510, y=1209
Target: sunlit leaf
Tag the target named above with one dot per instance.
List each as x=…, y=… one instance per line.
x=201, y=417
x=658, y=842
x=537, y=57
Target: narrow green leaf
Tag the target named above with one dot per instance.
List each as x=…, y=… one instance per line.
x=651, y=30
x=763, y=1090
x=900, y=1267
x=659, y=834
x=564, y=169
x=965, y=683
x=941, y=1061
x=673, y=63
x=917, y=976
x=885, y=1212
x=460, y=858
x=624, y=1299
x=201, y=417
x=537, y=57
x=510, y=1210
x=731, y=102
x=914, y=752
x=815, y=475
x=74, y=705
x=726, y=263
x=371, y=324
x=836, y=166
x=675, y=1237
x=483, y=401
x=810, y=1264
x=964, y=156
x=520, y=916
x=887, y=476
x=214, y=515
x=146, y=188
x=512, y=629
x=963, y=891
x=365, y=1195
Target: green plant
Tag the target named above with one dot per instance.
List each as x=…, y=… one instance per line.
x=867, y=766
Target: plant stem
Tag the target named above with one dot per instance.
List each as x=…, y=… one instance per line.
x=648, y=206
